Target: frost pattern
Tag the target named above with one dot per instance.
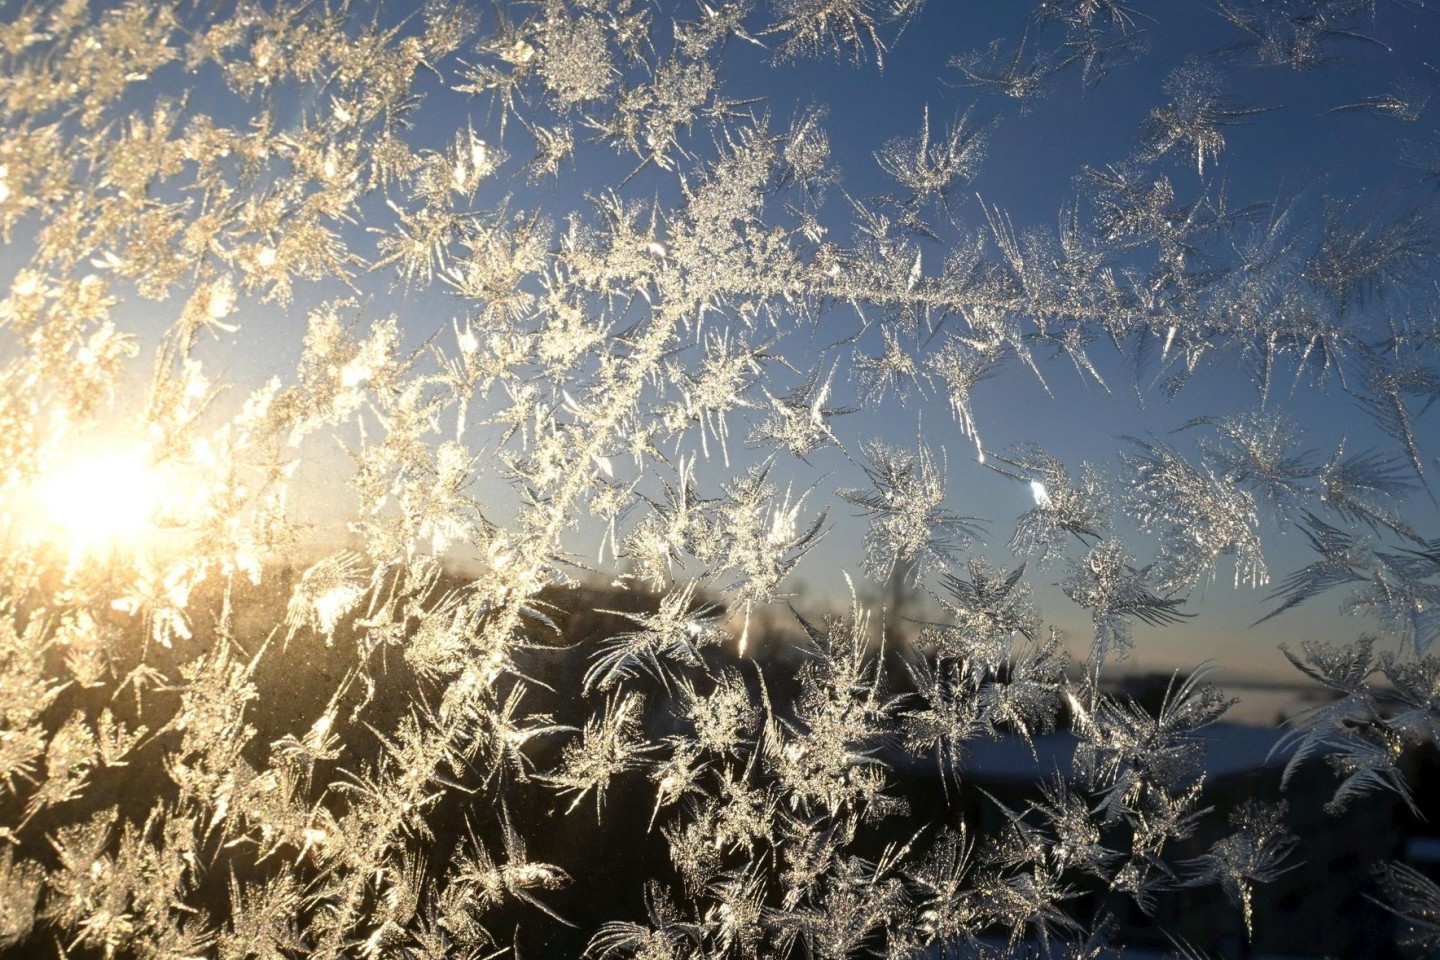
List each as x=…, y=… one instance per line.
x=684, y=366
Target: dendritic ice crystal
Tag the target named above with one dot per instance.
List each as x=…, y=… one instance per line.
x=676, y=478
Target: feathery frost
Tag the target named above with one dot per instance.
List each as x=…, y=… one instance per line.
x=460, y=395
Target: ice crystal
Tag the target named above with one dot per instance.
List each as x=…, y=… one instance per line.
x=910, y=527
x=1194, y=116
x=675, y=632
x=1199, y=517
x=611, y=743
x=928, y=170
x=1415, y=900
x=1015, y=73
x=1107, y=584
x=1253, y=854
x=1062, y=510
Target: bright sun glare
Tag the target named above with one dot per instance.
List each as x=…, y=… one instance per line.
x=101, y=501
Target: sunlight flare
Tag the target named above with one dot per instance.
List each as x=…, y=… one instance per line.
x=103, y=501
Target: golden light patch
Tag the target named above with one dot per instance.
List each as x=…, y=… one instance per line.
x=101, y=502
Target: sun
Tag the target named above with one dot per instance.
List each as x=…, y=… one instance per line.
x=102, y=501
